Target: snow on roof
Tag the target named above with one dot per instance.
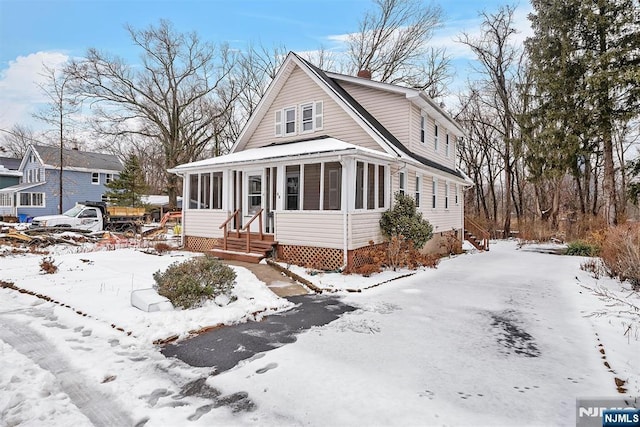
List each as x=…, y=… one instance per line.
x=321, y=145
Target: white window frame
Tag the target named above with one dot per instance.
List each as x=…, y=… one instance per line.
x=402, y=183
x=108, y=177
x=310, y=121
x=423, y=130
x=95, y=178
x=435, y=136
x=6, y=200
x=31, y=197
x=457, y=196
x=447, y=148
x=286, y=121
x=418, y=191
x=434, y=193
x=278, y=123
x=446, y=194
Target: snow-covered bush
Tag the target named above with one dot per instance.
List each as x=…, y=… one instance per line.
x=191, y=283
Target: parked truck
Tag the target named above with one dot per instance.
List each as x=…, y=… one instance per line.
x=95, y=216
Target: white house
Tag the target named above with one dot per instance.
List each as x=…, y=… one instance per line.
x=317, y=164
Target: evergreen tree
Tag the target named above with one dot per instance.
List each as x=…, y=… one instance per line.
x=585, y=61
x=129, y=186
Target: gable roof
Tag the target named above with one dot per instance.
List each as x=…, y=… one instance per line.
x=330, y=83
x=75, y=159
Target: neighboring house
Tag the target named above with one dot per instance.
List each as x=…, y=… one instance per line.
x=317, y=164
x=84, y=175
x=9, y=174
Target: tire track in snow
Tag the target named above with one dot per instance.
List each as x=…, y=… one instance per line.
x=94, y=404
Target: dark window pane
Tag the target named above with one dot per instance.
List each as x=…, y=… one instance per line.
x=359, y=185
x=312, y=187
x=332, y=186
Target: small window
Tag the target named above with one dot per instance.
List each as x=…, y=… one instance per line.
x=95, y=178
x=434, y=193
x=457, y=197
x=289, y=121
x=402, y=183
x=418, y=189
x=422, y=124
x=446, y=195
x=307, y=118
x=446, y=146
x=435, y=137
x=108, y=178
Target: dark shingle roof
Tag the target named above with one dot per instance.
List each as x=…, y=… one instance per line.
x=375, y=123
x=78, y=159
x=10, y=163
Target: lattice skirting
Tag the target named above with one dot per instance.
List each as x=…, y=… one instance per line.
x=199, y=244
x=360, y=256
x=311, y=257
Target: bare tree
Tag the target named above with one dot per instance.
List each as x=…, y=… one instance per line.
x=498, y=59
x=16, y=140
x=173, y=97
x=392, y=43
x=63, y=104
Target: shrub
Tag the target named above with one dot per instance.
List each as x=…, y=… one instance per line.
x=398, y=253
x=582, y=248
x=403, y=219
x=162, y=247
x=48, y=266
x=451, y=243
x=191, y=283
x=621, y=253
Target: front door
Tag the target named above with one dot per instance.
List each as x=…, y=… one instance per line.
x=253, y=197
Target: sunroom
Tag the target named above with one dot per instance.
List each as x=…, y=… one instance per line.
x=317, y=200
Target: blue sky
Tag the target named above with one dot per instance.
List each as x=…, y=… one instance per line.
x=49, y=31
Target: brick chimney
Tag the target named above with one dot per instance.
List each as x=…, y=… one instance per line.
x=364, y=74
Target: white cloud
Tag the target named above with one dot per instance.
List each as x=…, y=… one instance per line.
x=20, y=95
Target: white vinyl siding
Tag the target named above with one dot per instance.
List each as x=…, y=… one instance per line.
x=390, y=109
x=363, y=228
x=204, y=223
x=298, y=89
x=322, y=229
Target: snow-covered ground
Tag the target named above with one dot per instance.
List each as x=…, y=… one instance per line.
x=507, y=337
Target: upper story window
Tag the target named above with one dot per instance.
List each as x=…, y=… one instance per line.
x=402, y=177
x=95, y=178
x=309, y=119
x=289, y=121
x=422, y=128
x=108, y=177
x=435, y=137
x=447, y=148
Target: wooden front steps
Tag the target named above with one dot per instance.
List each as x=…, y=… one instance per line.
x=476, y=235
x=236, y=249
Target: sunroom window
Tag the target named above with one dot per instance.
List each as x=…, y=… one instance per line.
x=205, y=190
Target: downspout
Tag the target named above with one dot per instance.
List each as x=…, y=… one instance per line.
x=345, y=241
